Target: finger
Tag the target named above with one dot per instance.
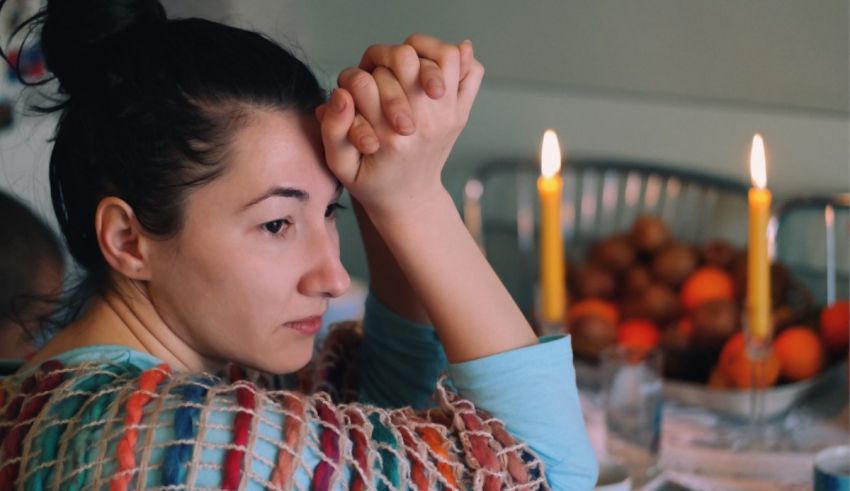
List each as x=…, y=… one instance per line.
x=394, y=101
x=362, y=87
x=467, y=56
x=320, y=111
x=342, y=158
x=431, y=78
x=444, y=54
x=469, y=88
x=363, y=136
x=402, y=59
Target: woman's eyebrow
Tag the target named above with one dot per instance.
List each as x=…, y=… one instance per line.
x=282, y=192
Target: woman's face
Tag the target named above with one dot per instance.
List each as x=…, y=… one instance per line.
x=249, y=275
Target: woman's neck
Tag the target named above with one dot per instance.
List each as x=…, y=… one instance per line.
x=125, y=316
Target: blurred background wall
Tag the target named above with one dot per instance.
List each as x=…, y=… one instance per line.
x=684, y=84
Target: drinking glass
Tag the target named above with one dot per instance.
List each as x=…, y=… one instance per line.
x=631, y=384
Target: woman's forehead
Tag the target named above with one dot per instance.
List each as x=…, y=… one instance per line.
x=275, y=149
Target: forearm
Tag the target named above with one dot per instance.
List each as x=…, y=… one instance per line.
x=399, y=360
x=387, y=281
x=471, y=310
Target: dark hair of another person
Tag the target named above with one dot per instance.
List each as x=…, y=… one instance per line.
x=28, y=249
x=148, y=108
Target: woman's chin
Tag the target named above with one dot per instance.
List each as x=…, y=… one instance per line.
x=284, y=361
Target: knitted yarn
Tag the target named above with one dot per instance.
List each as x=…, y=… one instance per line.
x=98, y=423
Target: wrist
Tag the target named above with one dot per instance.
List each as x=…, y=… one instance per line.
x=412, y=211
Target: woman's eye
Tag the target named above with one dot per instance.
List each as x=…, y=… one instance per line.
x=330, y=212
x=275, y=226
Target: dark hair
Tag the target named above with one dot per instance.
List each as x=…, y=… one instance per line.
x=27, y=246
x=148, y=109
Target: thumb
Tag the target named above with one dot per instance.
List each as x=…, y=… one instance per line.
x=342, y=157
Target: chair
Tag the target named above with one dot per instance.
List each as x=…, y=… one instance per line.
x=812, y=238
x=601, y=197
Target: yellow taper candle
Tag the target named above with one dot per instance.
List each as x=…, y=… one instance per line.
x=553, y=292
x=758, y=262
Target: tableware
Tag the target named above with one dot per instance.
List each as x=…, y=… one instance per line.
x=613, y=477
x=832, y=469
x=736, y=403
x=632, y=398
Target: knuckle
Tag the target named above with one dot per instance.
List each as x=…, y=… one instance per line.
x=373, y=49
x=382, y=72
x=429, y=64
x=414, y=38
x=477, y=68
x=396, y=105
x=451, y=54
x=404, y=54
x=373, y=54
x=360, y=81
x=344, y=75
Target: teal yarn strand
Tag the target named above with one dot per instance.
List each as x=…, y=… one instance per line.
x=48, y=440
x=390, y=463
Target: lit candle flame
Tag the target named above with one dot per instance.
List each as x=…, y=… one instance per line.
x=758, y=171
x=550, y=155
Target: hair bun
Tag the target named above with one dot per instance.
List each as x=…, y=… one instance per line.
x=73, y=28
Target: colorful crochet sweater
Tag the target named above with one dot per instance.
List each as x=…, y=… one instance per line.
x=109, y=416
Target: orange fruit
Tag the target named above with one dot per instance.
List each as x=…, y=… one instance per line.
x=835, y=326
x=716, y=380
x=685, y=326
x=705, y=284
x=594, y=307
x=736, y=367
x=800, y=353
x=639, y=334
x=732, y=345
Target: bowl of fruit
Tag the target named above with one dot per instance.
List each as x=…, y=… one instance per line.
x=644, y=289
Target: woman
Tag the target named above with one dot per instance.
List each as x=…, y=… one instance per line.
x=197, y=188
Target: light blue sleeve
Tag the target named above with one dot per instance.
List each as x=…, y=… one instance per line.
x=533, y=391
x=400, y=361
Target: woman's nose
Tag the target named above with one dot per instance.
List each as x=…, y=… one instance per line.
x=327, y=276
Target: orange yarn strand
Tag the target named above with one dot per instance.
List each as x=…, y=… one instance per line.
x=125, y=453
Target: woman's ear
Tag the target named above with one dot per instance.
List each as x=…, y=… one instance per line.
x=121, y=239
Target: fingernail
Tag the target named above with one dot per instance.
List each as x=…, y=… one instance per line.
x=404, y=123
x=435, y=85
x=368, y=142
x=337, y=101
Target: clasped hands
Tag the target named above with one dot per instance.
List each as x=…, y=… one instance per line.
x=388, y=128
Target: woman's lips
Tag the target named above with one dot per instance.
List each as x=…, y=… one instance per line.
x=308, y=326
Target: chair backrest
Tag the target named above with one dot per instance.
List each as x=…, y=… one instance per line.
x=813, y=239
x=601, y=197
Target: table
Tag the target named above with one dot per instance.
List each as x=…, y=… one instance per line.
x=691, y=462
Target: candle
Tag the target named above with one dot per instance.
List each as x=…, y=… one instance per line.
x=758, y=263
x=552, y=272
x=829, y=224
x=472, y=210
